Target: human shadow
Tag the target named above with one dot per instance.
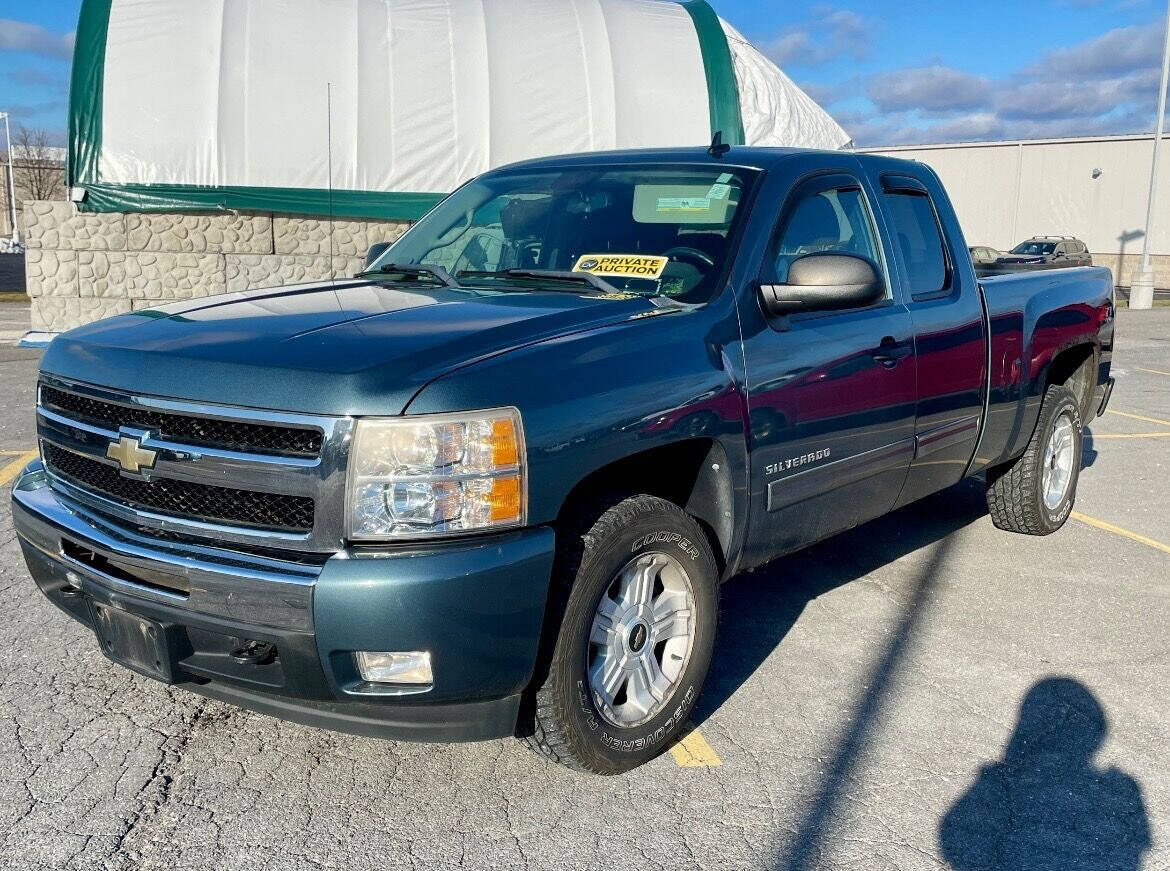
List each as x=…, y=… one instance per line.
x=758, y=609
x=1045, y=805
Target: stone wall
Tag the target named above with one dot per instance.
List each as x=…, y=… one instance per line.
x=1123, y=266
x=81, y=267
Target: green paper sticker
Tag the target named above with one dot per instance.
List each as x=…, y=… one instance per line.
x=684, y=204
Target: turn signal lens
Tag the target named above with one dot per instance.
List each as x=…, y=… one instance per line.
x=505, y=448
x=505, y=500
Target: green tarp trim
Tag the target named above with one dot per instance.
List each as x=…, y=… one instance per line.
x=722, y=88
x=85, y=92
x=299, y=201
x=85, y=142
x=85, y=139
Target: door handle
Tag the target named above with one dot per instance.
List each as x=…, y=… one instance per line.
x=891, y=351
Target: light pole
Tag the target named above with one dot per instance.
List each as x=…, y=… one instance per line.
x=11, y=182
x=1141, y=291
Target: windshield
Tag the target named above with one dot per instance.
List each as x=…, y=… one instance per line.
x=649, y=230
x=1034, y=248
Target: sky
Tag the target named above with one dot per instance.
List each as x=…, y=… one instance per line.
x=891, y=73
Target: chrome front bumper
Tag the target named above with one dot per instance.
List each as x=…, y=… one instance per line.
x=203, y=580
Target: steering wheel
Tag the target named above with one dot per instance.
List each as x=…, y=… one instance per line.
x=695, y=255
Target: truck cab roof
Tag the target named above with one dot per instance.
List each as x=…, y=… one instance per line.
x=742, y=156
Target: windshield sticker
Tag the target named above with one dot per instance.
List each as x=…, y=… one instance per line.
x=719, y=192
x=725, y=178
x=684, y=204
x=622, y=265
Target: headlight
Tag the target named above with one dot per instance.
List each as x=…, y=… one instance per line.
x=414, y=477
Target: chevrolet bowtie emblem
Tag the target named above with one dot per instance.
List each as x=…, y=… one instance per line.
x=130, y=454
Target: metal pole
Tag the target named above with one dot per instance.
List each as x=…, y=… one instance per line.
x=11, y=181
x=1141, y=292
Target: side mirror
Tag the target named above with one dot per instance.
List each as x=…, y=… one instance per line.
x=375, y=252
x=824, y=282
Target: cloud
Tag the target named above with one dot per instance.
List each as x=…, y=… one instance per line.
x=929, y=89
x=826, y=94
x=35, y=77
x=832, y=33
x=1102, y=86
x=1086, y=98
x=21, y=36
x=1116, y=52
x=30, y=110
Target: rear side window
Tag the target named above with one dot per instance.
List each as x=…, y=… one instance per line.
x=919, y=241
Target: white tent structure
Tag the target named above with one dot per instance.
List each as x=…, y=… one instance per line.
x=376, y=108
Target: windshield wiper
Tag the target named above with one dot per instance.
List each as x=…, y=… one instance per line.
x=586, y=282
x=436, y=274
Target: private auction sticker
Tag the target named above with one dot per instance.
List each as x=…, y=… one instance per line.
x=622, y=265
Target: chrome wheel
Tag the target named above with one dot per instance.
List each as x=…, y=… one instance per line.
x=1058, y=462
x=641, y=639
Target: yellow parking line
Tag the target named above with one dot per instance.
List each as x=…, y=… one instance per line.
x=1137, y=435
x=1138, y=417
x=1151, y=371
x=1124, y=533
x=13, y=469
x=693, y=751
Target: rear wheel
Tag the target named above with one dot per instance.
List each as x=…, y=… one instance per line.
x=1035, y=493
x=635, y=642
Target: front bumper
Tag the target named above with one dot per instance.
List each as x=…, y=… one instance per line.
x=477, y=605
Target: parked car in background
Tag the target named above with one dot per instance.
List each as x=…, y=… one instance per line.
x=1049, y=251
x=981, y=255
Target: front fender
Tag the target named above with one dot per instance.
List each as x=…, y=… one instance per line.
x=591, y=399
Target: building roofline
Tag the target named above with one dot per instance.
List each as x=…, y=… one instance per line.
x=1000, y=143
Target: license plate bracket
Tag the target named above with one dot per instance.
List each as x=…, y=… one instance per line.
x=137, y=643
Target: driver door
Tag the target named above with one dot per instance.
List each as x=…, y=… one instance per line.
x=831, y=395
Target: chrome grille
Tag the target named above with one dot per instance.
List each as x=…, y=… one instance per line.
x=182, y=498
x=245, y=476
x=229, y=435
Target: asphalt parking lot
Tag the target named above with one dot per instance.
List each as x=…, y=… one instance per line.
x=923, y=692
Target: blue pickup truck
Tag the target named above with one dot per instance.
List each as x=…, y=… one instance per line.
x=490, y=486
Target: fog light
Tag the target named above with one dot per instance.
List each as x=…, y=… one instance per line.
x=412, y=667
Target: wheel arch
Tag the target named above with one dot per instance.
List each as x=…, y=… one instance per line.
x=1076, y=368
x=694, y=474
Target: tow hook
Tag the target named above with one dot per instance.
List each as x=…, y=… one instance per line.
x=254, y=653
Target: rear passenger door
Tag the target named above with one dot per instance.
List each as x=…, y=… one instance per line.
x=949, y=329
x=831, y=395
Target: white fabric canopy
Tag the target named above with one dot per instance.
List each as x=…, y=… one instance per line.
x=230, y=96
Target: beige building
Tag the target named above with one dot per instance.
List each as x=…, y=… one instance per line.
x=1093, y=188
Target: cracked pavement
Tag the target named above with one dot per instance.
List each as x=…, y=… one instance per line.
x=883, y=700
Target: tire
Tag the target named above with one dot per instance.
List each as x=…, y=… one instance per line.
x=641, y=537
x=1029, y=495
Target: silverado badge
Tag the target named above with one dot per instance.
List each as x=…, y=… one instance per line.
x=130, y=454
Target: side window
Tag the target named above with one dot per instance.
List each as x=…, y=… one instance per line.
x=836, y=219
x=915, y=226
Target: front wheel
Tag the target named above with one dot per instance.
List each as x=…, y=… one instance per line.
x=1035, y=493
x=635, y=642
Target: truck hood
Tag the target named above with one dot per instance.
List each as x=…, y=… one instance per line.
x=360, y=348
